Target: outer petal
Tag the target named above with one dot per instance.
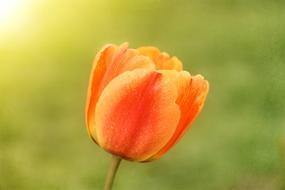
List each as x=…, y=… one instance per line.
x=161, y=60
x=109, y=63
x=192, y=92
x=136, y=114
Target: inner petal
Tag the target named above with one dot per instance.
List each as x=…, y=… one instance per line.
x=161, y=59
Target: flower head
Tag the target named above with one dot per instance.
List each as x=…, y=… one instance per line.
x=140, y=101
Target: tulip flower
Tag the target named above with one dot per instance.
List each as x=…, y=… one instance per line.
x=140, y=102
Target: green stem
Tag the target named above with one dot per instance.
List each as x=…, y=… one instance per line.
x=115, y=163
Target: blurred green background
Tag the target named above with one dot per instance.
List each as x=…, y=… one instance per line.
x=46, y=51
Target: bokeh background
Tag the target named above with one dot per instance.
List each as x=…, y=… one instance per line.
x=46, y=51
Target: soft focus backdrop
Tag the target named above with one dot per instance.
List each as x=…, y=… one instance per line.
x=46, y=51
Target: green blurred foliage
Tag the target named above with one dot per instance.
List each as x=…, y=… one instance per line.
x=237, y=143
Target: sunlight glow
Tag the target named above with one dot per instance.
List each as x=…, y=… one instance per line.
x=10, y=10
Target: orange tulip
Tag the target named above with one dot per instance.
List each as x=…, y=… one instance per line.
x=140, y=101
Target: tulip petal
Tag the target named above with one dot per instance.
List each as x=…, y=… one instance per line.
x=136, y=114
x=109, y=63
x=161, y=60
x=192, y=92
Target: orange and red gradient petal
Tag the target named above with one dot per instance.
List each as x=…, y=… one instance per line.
x=136, y=114
x=103, y=58
x=161, y=59
x=192, y=92
x=109, y=63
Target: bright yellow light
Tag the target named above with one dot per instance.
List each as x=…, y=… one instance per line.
x=10, y=10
